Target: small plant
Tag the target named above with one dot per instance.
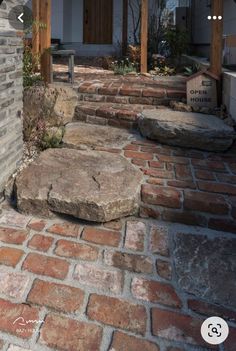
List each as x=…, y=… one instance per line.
x=134, y=53
x=52, y=138
x=190, y=70
x=31, y=61
x=160, y=66
x=164, y=71
x=123, y=67
x=30, y=64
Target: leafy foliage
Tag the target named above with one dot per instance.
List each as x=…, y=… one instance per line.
x=30, y=64
x=123, y=66
x=178, y=41
x=164, y=71
x=190, y=70
x=52, y=138
x=31, y=61
x=161, y=67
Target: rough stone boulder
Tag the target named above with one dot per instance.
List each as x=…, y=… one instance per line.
x=55, y=104
x=82, y=135
x=193, y=130
x=91, y=185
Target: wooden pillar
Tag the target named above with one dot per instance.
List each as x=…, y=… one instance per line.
x=45, y=39
x=217, y=38
x=35, y=34
x=144, y=36
x=125, y=27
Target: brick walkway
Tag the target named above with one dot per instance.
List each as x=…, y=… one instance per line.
x=113, y=287
x=187, y=186
x=136, y=284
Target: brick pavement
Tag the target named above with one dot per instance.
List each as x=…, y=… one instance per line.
x=186, y=186
x=141, y=283
x=110, y=287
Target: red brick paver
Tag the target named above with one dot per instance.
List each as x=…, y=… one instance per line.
x=68, y=334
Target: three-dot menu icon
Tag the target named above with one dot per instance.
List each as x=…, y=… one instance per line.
x=214, y=18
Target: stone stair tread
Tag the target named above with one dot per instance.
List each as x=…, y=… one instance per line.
x=79, y=135
x=186, y=129
x=91, y=185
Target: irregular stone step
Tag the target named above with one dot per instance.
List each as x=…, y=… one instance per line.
x=187, y=129
x=91, y=185
x=83, y=136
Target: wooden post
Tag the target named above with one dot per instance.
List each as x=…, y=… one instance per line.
x=45, y=39
x=144, y=36
x=217, y=38
x=35, y=34
x=125, y=27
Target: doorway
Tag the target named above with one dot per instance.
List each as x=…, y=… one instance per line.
x=98, y=22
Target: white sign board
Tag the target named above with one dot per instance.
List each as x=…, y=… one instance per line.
x=202, y=91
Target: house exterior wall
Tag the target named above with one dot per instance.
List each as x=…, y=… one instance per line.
x=201, y=26
x=11, y=90
x=67, y=25
x=172, y=4
x=229, y=92
x=57, y=19
x=72, y=37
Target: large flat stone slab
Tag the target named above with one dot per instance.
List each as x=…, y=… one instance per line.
x=89, y=136
x=91, y=185
x=186, y=129
x=206, y=267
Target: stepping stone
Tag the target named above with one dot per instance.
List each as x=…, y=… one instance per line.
x=92, y=185
x=186, y=129
x=82, y=135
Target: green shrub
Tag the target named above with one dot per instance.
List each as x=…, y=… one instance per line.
x=178, y=41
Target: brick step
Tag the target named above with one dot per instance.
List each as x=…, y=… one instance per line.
x=148, y=94
x=113, y=114
x=94, y=81
x=144, y=96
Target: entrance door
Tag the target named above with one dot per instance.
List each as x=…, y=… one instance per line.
x=98, y=21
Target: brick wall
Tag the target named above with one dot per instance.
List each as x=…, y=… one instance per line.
x=11, y=144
